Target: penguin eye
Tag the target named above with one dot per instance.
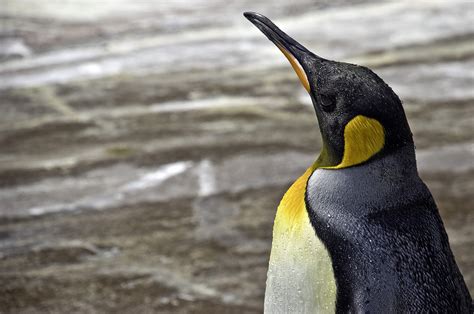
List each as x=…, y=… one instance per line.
x=328, y=102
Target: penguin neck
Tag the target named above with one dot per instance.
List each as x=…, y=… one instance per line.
x=364, y=139
x=396, y=162
x=378, y=179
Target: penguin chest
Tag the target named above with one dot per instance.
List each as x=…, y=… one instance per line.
x=300, y=278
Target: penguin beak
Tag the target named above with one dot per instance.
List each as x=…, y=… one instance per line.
x=292, y=50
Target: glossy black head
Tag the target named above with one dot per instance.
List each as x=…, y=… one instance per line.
x=340, y=92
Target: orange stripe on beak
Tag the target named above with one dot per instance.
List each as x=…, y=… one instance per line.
x=297, y=67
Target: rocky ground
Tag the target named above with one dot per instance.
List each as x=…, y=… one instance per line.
x=145, y=145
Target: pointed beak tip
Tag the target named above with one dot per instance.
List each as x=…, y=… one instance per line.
x=259, y=19
x=252, y=15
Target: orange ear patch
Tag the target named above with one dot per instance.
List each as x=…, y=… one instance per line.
x=363, y=138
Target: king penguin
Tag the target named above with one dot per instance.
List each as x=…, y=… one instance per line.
x=359, y=231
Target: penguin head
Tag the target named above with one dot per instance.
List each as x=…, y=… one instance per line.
x=359, y=115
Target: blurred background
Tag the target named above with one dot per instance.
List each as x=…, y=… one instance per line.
x=145, y=145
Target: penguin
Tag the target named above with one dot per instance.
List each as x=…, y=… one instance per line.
x=359, y=231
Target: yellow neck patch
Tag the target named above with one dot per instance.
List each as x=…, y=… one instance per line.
x=292, y=209
x=363, y=138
